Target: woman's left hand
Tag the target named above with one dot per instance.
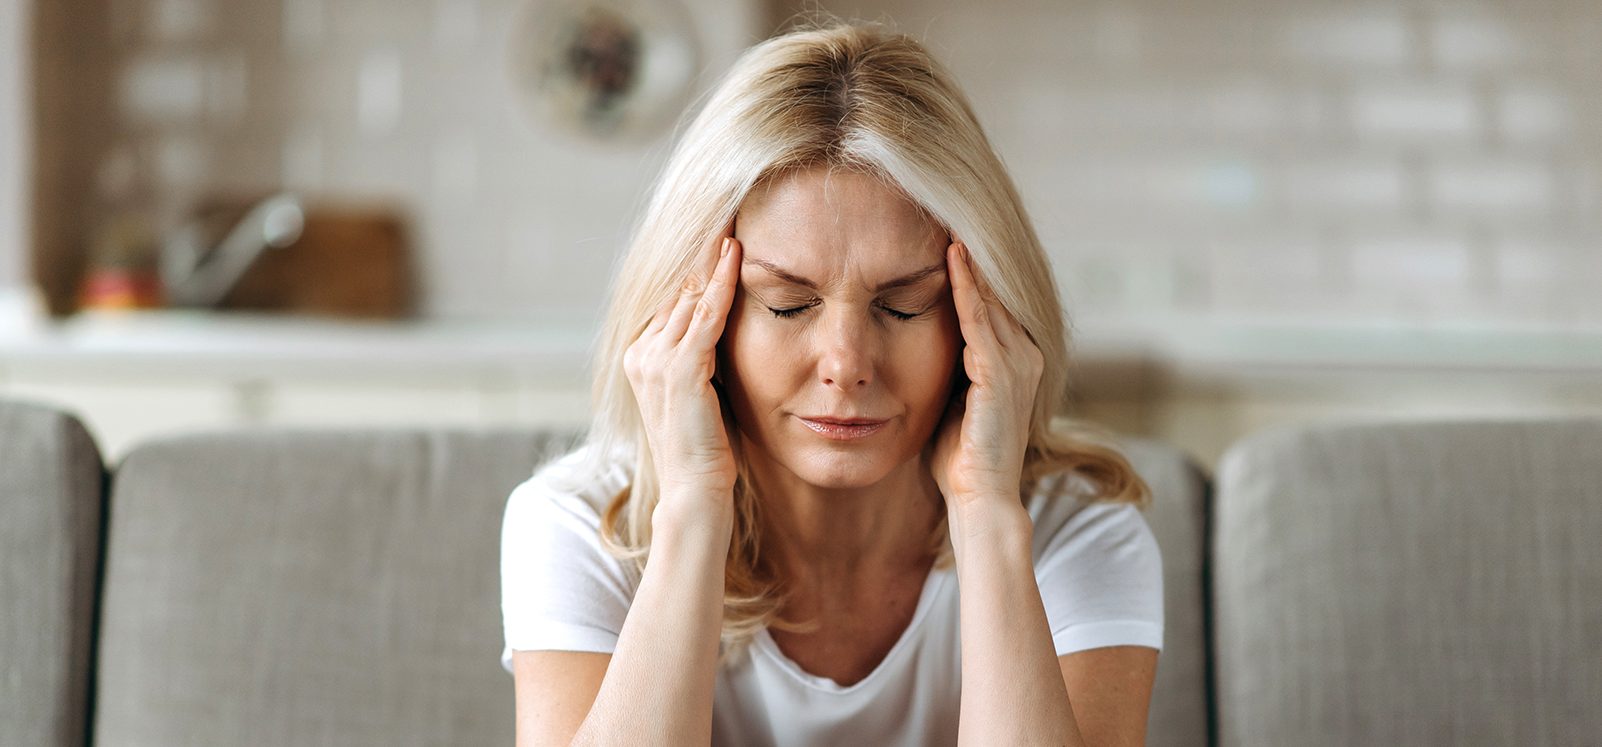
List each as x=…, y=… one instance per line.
x=979, y=446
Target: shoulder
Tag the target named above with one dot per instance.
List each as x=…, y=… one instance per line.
x=1098, y=567
x=573, y=486
x=579, y=480
x=560, y=587
x=1068, y=520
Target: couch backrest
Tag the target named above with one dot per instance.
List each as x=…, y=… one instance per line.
x=1178, y=518
x=52, y=485
x=322, y=587
x=304, y=587
x=1418, y=583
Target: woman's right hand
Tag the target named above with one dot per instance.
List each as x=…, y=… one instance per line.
x=670, y=367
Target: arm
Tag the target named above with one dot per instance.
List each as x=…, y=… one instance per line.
x=1110, y=688
x=1013, y=690
x=1013, y=682
x=553, y=692
x=659, y=685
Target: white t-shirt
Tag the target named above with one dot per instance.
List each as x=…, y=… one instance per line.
x=1097, y=565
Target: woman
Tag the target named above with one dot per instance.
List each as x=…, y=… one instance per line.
x=833, y=239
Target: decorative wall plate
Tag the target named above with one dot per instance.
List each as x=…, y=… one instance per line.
x=604, y=70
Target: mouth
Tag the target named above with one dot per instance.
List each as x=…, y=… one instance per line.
x=844, y=429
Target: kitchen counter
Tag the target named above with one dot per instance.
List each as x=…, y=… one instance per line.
x=257, y=344
x=1247, y=347
x=132, y=376
x=265, y=343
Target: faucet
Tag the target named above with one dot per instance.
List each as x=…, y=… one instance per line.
x=195, y=275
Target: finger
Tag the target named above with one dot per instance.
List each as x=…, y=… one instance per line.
x=971, y=312
x=683, y=307
x=706, y=260
x=702, y=265
x=1001, y=321
x=712, y=312
x=661, y=316
x=1006, y=328
x=979, y=280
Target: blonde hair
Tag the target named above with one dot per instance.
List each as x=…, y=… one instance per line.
x=841, y=95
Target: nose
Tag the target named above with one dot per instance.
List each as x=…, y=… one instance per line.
x=846, y=350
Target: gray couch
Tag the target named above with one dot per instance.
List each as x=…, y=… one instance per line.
x=1408, y=583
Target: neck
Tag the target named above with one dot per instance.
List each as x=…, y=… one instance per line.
x=847, y=535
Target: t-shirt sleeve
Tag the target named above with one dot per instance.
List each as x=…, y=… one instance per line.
x=560, y=590
x=1101, y=580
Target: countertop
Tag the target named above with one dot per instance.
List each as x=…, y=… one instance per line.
x=267, y=344
x=262, y=344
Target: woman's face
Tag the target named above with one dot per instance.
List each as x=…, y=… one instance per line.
x=843, y=310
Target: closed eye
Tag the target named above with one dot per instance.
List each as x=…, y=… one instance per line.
x=796, y=311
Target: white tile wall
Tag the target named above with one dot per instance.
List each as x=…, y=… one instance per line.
x=1428, y=163
x=1505, y=186
x=1416, y=163
x=404, y=100
x=16, y=143
x=172, y=21
x=1375, y=35
x=1417, y=112
x=1532, y=112
x=162, y=88
x=1331, y=186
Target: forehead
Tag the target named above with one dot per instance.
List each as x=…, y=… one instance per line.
x=816, y=219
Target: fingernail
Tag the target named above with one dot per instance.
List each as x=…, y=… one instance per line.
x=725, y=250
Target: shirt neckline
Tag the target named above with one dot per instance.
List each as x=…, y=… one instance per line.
x=932, y=585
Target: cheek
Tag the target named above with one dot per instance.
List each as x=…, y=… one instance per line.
x=946, y=343
x=926, y=362
x=750, y=346
x=742, y=335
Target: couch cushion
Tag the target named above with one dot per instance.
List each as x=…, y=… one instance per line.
x=1411, y=583
x=305, y=587
x=1177, y=516
x=52, y=484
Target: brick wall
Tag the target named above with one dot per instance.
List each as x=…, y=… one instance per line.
x=1426, y=163
x=409, y=101
x=15, y=161
x=1429, y=163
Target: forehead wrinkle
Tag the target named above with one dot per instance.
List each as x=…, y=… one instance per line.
x=911, y=278
x=787, y=214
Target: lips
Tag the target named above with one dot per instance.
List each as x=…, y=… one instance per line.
x=843, y=421
x=837, y=431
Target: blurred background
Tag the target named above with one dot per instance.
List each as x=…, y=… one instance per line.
x=405, y=211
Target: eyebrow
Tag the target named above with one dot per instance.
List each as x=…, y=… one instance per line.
x=912, y=278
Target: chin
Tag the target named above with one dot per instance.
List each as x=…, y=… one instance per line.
x=828, y=468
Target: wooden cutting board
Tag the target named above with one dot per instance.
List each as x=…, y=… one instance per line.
x=351, y=260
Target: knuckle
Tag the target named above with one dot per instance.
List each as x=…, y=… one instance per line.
x=638, y=362
x=705, y=311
